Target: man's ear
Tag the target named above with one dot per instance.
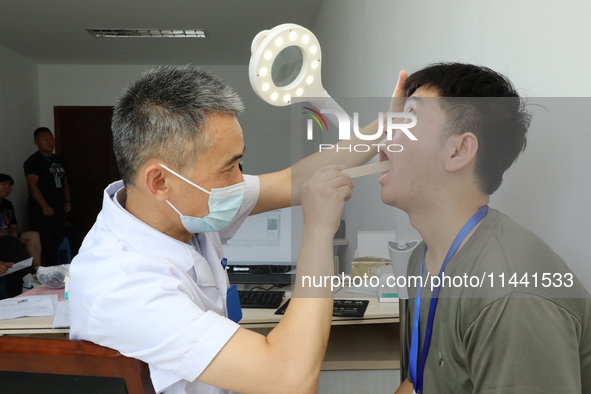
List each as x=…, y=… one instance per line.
x=463, y=148
x=156, y=181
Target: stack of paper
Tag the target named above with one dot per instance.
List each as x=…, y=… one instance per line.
x=62, y=316
x=12, y=308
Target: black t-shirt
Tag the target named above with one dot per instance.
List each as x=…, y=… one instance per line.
x=51, y=171
x=7, y=216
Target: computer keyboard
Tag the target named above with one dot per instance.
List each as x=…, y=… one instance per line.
x=342, y=308
x=260, y=298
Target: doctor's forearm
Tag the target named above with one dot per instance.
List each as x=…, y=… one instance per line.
x=304, y=330
x=289, y=358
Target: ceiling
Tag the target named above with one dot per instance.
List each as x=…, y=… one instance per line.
x=54, y=31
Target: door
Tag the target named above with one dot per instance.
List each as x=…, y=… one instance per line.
x=83, y=139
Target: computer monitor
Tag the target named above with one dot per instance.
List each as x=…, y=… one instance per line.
x=265, y=248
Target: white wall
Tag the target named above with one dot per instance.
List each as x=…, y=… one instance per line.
x=541, y=45
x=266, y=128
x=28, y=93
x=19, y=117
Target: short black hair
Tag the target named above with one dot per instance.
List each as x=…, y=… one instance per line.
x=6, y=178
x=484, y=102
x=39, y=131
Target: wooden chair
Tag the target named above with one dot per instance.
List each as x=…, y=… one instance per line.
x=44, y=365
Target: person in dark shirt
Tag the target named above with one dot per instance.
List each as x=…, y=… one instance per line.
x=12, y=249
x=49, y=194
x=11, y=252
x=9, y=225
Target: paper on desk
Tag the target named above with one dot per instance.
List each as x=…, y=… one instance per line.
x=62, y=316
x=19, y=266
x=12, y=308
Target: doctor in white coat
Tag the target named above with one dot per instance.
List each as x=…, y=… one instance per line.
x=148, y=280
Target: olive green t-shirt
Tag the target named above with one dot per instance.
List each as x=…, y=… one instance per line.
x=523, y=327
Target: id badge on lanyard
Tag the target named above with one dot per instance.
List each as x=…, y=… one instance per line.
x=417, y=361
x=232, y=299
x=233, y=304
x=56, y=170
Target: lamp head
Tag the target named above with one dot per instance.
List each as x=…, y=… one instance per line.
x=285, y=65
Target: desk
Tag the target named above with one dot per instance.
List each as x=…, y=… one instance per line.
x=366, y=343
x=36, y=324
x=30, y=325
x=253, y=318
x=362, y=352
x=376, y=313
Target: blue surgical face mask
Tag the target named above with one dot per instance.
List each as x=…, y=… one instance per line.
x=224, y=203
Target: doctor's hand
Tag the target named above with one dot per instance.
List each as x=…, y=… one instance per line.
x=323, y=198
x=4, y=267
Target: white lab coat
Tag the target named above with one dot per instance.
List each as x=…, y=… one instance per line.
x=152, y=297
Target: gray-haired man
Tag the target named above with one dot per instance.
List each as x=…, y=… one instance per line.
x=148, y=279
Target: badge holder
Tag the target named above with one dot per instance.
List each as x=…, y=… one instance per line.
x=233, y=304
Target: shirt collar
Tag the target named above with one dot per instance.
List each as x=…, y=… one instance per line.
x=140, y=235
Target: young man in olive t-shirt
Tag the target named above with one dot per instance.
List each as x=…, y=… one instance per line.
x=498, y=338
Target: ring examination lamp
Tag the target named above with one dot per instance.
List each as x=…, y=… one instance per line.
x=285, y=65
x=284, y=68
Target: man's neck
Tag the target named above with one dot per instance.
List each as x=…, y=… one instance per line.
x=439, y=225
x=48, y=154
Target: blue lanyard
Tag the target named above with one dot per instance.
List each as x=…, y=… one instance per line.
x=417, y=376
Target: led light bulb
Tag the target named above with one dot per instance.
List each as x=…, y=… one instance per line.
x=306, y=39
x=263, y=71
x=268, y=55
x=315, y=64
x=313, y=49
x=274, y=96
x=266, y=86
x=286, y=98
x=293, y=35
x=299, y=92
x=310, y=79
x=279, y=41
